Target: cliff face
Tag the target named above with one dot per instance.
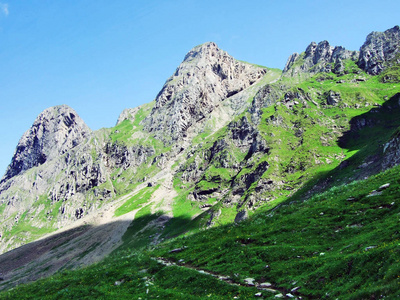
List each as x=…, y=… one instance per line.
x=206, y=77
x=380, y=51
x=55, y=131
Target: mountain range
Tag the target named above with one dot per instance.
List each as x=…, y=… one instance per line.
x=271, y=183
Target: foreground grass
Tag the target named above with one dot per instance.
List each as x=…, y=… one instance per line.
x=128, y=275
x=344, y=243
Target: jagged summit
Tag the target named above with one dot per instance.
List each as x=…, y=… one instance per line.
x=318, y=58
x=206, y=76
x=55, y=131
x=379, y=50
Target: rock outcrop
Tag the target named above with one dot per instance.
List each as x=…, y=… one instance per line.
x=206, y=77
x=55, y=131
x=380, y=51
x=317, y=58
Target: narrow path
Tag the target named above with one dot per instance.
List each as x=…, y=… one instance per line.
x=266, y=287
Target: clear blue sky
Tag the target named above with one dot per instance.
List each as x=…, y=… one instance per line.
x=100, y=57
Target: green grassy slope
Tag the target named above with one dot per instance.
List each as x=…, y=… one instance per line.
x=342, y=243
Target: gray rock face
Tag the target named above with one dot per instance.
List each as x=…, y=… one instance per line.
x=380, y=50
x=318, y=58
x=127, y=114
x=55, y=131
x=119, y=155
x=265, y=97
x=206, y=77
x=55, y=175
x=333, y=98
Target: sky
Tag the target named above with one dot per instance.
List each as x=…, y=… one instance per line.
x=100, y=57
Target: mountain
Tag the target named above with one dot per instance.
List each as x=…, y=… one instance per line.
x=292, y=173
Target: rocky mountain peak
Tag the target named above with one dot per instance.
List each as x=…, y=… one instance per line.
x=55, y=131
x=207, y=76
x=317, y=58
x=379, y=49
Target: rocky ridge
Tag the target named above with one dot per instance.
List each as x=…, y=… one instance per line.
x=380, y=51
x=206, y=77
x=321, y=57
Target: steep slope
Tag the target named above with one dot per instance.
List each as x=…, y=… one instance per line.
x=206, y=77
x=222, y=141
x=63, y=174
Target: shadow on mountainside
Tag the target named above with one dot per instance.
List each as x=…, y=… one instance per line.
x=368, y=134
x=70, y=249
x=82, y=246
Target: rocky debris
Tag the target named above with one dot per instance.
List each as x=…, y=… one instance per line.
x=177, y=250
x=369, y=248
x=241, y=215
x=279, y=295
x=374, y=193
x=249, y=281
x=295, y=289
x=265, y=284
x=119, y=282
x=318, y=58
x=380, y=51
x=259, y=294
x=206, y=77
x=383, y=186
x=333, y=98
x=55, y=131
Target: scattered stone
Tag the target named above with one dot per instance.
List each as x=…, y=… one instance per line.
x=289, y=295
x=177, y=250
x=294, y=289
x=249, y=281
x=351, y=199
x=265, y=284
x=181, y=261
x=118, y=282
x=259, y=294
x=142, y=271
x=384, y=187
x=374, y=193
x=369, y=248
x=278, y=296
x=322, y=253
